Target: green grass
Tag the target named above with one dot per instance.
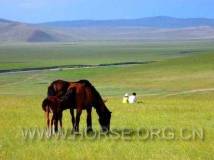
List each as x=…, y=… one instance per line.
x=177, y=93
x=157, y=113
x=42, y=55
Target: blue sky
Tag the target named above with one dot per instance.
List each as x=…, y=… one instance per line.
x=52, y=10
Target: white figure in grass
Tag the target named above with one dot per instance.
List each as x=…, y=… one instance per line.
x=133, y=98
x=126, y=98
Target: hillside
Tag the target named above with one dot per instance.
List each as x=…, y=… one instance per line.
x=154, y=22
x=154, y=28
x=16, y=32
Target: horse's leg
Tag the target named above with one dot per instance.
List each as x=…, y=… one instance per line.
x=80, y=103
x=52, y=123
x=72, y=117
x=55, y=122
x=89, y=123
x=79, y=112
x=60, y=120
x=47, y=117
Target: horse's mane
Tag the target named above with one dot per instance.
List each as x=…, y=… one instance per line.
x=98, y=102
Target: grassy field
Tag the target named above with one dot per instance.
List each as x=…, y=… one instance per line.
x=177, y=92
x=43, y=55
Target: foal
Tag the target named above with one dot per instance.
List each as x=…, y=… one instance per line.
x=57, y=106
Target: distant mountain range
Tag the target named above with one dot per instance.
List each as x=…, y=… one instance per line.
x=151, y=28
x=156, y=22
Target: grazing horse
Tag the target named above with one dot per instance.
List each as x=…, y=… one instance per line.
x=84, y=96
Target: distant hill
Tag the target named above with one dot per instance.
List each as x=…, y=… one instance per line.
x=153, y=28
x=155, y=22
x=21, y=32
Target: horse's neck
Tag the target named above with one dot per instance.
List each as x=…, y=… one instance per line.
x=101, y=108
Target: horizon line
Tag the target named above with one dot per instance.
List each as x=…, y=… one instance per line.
x=113, y=19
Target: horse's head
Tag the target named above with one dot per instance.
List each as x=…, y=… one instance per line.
x=46, y=109
x=45, y=104
x=105, y=121
x=51, y=102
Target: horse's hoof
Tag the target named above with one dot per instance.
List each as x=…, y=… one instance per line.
x=105, y=130
x=74, y=131
x=89, y=130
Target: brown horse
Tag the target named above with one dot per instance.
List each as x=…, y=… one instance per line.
x=52, y=104
x=84, y=96
x=55, y=105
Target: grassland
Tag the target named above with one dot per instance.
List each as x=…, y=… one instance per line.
x=177, y=92
x=42, y=55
